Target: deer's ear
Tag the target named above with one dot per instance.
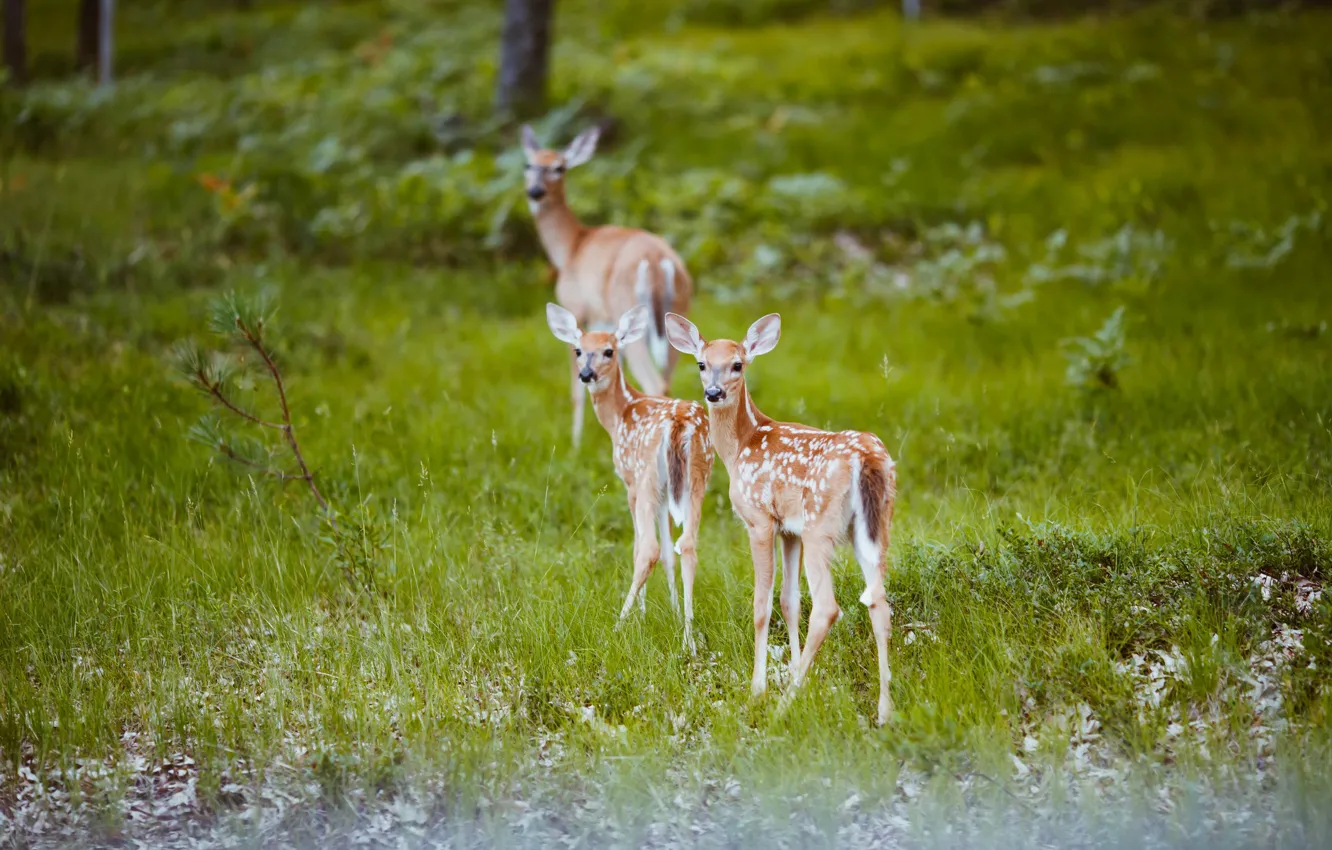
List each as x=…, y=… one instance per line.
x=763, y=336
x=580, y=150
x=563, y=324
x=683, y=336
x=530, y=143
x=633, y=325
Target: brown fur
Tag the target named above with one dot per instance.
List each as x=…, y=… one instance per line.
x=798, y=482
x=677, y=458
x=636, y=423
x=873, y=488
x=597, y=270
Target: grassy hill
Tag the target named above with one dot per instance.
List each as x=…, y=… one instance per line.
x=1074, y=274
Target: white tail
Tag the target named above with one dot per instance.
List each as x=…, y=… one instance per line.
x=661, y=449
x=602, y=272
x=812, y=487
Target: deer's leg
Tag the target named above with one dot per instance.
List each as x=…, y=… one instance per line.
x=791, y=592
x=689, y=556
x=873, y=563
x=579, y=399
x=823, y=612
x=672, y=358
x=667, y=551
x=760, y=546
x=646, y=550
x=645, y=370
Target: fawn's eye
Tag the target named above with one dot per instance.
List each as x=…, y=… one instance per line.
x=736, y=367
x=610, y=352
x=700, y=367
x=557, y=170
x=578, y=352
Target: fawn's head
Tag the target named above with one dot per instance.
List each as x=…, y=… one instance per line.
x=544, y=175
x=597, y=352
x=722, y=362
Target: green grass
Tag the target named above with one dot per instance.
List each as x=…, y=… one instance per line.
x=1046, y=534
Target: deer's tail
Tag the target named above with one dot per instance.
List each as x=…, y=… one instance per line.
x=661, y=298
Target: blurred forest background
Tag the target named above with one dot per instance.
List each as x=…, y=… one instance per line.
x=1069, y=260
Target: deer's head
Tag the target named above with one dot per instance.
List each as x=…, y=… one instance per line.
x=722, y=362
x=544, y=175
x=597, y=352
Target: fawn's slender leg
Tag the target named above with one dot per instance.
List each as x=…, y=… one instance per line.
x=873, y=559
x=667, y=551
x=646, y=551
x=645, y=370
x=689, y=558
x=823, y=612
x=790, y=599
x=881, y=617
x=760, y=546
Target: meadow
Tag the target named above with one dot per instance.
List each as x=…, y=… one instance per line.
x=1075, y=273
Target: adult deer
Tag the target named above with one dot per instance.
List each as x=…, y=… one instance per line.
x=661, y=449
x=814, y=488
x=602, y=272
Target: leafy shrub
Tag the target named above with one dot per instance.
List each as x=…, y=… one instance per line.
x=1129, y=257
x=1094, y=362
x=1251, y=246
x=961, y=264
x=755, y=12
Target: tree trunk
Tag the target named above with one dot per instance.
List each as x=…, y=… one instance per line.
x=105, y=48
x=90, y=20
x=524, y=57
x=16, y=40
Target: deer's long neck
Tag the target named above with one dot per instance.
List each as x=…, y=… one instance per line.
x=734, y=426
x=609, y=403
x=558, y=228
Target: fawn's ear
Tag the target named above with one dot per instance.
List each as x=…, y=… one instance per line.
x=530, y=143
x=563, y=324
x=633, y=325
x=683, y=336
x=580, y=150
x=763, y=336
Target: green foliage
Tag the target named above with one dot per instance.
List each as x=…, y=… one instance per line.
x=741, y=13
x=356, y=541
x=934, y=211
x=1094, y=362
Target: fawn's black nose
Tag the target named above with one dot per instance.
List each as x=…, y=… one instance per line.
x=714, y=394
x=536, y=193
x=586, y=375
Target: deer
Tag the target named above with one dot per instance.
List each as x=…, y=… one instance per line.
x=662, y=452
x=812, y=488
x=601, y=272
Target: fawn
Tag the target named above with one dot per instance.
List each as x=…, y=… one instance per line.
x=661, y=449
x=601, y=272
x=814, y=488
